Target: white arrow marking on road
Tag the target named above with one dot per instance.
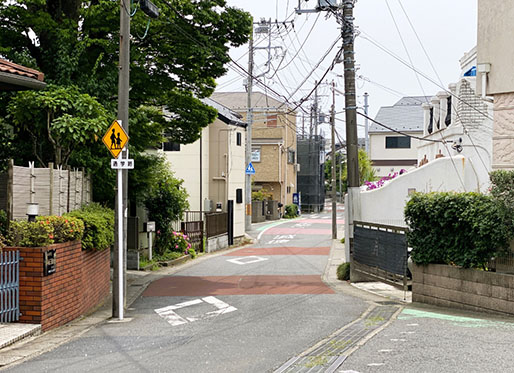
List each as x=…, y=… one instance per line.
x=247, y=260
x=168, y=313
x=277, y=241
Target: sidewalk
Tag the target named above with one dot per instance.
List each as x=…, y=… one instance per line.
x=374, y=291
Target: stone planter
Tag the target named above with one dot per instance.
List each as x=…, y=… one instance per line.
x=470, y=289
x=169, y=263
x=80, y=282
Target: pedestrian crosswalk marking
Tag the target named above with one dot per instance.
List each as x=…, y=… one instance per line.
x=168, y=313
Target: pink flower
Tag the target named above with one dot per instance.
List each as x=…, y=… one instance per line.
x=176, y=246
x=158, y=232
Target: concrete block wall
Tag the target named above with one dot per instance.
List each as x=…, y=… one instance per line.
x=469, y=289
x=80, y=282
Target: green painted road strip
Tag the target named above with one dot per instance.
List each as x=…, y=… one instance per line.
x=468, y=322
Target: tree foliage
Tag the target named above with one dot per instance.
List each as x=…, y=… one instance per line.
x=75, y=44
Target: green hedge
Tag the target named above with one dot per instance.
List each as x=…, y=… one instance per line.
x=464, y=229
x=98, y=226
x=291, y=211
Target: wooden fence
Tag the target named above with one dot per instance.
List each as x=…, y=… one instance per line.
x=56, y=190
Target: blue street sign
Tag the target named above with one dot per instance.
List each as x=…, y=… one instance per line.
x=250, y=170
x=296, y=199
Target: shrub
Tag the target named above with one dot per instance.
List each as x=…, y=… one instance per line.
x=174, y=242
x=261, y=195
x=502, y=187
x=464, y=229
x=291, y=211
x=343, y=272
x=98, y=226
x=4, y=223
x=64, y=228
x=30, y=234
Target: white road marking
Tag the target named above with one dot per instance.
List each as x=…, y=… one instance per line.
x=375, y=364
x=168, y=313
x=385, y=350
x=301, y=225
x=247, y=260
x=398, y=340
x=272, y=242
x=407, y=332
x=412, y=324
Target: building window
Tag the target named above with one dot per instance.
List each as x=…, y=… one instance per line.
x=238, y=138
x=239, y=195
x=397, y=142
x=290, y=156
x=256, y=154
x=271, y=120
x=448, y=119
x=288, y=190
x=171, y=146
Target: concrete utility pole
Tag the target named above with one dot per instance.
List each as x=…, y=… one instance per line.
x=334, y=196
x=366, y=123
x=351, y=112
x=249, y=121
x=123, y=113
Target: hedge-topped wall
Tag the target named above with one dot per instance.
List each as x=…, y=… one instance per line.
x=81, y=282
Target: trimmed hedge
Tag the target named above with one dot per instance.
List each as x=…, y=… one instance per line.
x=45, y=231
x=291, y=211
x=98, y=226
x=464, y=229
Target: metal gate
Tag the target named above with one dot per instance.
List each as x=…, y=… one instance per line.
x=380, y=251
x=9, y=286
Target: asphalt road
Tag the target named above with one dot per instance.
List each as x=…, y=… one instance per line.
x=247, y=311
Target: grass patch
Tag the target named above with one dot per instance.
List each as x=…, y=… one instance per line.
x=373, y=321
x=315, y=361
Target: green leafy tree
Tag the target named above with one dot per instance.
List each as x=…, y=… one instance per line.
x=366, y=171
x=75, y=43
x=165, y=201
x=65, y=117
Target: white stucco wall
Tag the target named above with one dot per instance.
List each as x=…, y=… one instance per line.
x=186, y=165
x=385, y=205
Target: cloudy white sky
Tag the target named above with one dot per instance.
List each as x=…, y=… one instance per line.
x=446, y=29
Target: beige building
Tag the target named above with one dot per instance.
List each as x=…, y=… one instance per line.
x=213, y=167
x=495, y=74
x=273, y=142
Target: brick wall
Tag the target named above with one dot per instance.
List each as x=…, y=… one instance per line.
x=470, y=289
x=80, y=282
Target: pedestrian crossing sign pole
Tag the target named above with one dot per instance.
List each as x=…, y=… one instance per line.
x=116, y=140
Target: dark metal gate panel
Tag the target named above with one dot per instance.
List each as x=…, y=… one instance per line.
x=381, y=247
x=194, y=231
x=386, y=250
x=9, y=286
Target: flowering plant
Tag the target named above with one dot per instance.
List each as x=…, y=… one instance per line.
x=371, y=185
x=176, y=241
x=65, y=228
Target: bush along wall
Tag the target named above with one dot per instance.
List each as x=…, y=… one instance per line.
x=463, y=229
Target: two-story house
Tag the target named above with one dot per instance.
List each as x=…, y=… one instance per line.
x=391, y=151
x=273, y=142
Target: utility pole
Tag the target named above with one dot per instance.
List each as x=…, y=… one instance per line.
x=366, y=123
x=249, y=121
x=334, y=196
x=351, y=113
x=123, y=113
x=316, y=118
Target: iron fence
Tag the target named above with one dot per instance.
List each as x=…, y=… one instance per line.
x=216, y=223
x=9, y=286
x=381, y=251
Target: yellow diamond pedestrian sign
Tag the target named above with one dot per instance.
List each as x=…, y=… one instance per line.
x=115, y=138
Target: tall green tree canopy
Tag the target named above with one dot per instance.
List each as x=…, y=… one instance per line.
x=175, y=60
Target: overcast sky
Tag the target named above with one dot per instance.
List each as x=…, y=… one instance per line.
x=447, y=30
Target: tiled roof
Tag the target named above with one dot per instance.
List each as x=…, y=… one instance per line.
x=238, y=100
x=12, y=68
x=406, y=115
x=224, y=113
